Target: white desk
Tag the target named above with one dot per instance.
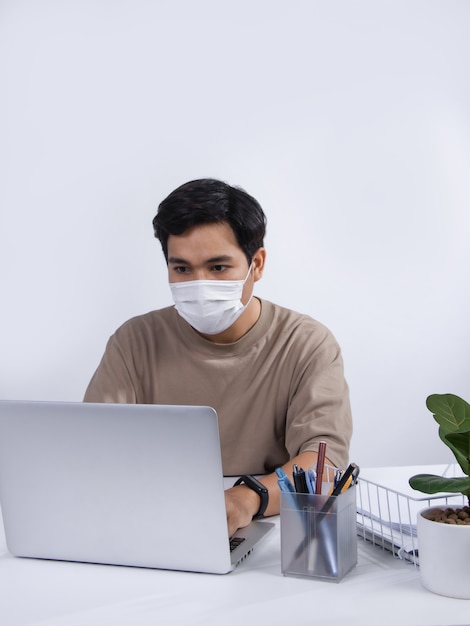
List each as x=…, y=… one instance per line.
x=381, y=590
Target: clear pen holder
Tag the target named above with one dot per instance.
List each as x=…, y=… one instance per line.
x=318, y=535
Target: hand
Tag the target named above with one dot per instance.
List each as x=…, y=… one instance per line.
x=241, y=503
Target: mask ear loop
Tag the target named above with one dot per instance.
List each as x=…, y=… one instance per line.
x=245, y=306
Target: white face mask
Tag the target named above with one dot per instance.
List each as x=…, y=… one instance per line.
x=210, y=306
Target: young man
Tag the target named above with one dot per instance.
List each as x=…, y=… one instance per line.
x=275, y=377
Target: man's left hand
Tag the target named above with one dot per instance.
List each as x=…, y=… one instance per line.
x=241, y=503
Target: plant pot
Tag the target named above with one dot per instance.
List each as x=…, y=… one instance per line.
x=444, y=556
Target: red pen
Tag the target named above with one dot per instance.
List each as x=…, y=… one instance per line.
x=320, y=466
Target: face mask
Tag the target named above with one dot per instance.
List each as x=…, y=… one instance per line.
x=210, y=306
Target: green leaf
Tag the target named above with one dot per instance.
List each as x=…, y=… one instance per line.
x=459, y=443
x=428, y=483
x=453, y=416
x=450, y=412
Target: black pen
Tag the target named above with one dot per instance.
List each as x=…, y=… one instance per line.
x=300, y=482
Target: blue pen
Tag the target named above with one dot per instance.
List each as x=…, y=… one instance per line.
x=311, y=478
x=283, y=481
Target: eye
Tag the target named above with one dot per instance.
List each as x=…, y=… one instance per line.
x=180, y=269
x=219, y=268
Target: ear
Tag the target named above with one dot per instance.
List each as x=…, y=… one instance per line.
x=259, y=259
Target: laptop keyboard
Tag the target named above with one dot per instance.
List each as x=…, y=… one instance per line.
x=235, y=542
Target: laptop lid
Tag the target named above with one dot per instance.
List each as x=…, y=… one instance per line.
x=137, y=485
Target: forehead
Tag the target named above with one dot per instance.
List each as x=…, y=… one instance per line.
x=204, y=240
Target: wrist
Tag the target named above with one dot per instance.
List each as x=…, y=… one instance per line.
x=259, y=491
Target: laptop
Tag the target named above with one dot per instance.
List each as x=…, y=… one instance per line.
x=135, y=485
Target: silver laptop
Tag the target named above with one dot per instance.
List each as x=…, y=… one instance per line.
x=137, y=485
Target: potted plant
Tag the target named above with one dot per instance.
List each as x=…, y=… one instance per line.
x=444, y=532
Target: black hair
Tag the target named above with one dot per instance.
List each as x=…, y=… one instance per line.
x=209, y=201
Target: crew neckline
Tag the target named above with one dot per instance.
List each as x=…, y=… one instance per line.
x=194, y=340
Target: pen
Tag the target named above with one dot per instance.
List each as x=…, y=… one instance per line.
x=300, y=481
x=320, y=466
x=338, y=475
x=288, y=493
x=283, y=481
x=311, y=478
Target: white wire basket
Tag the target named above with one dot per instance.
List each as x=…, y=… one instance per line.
x=387, y=507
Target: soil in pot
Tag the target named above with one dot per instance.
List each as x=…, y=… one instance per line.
x=457, y=515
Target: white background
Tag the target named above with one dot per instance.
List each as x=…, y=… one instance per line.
x=349, y=121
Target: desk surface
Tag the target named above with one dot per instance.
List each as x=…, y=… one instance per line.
x=381, y=590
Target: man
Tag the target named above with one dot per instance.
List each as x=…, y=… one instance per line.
x=275, y=377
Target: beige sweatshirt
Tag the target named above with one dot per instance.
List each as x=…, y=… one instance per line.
x=278, y=390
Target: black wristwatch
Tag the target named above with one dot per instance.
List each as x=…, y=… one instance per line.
x=253, y=483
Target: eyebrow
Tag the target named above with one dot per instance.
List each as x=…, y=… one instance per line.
x=216, y=259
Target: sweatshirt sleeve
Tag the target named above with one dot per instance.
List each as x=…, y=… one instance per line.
x=319, y=408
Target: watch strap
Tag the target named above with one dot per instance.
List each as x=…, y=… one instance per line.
x=254, y=484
